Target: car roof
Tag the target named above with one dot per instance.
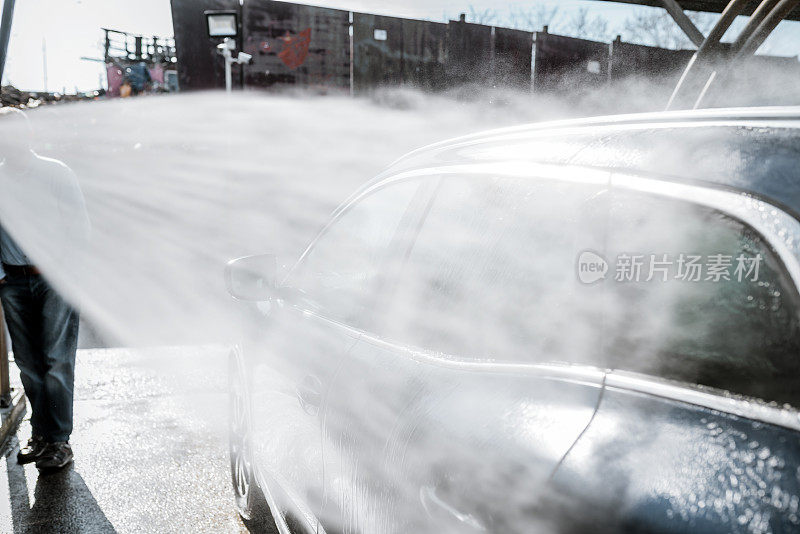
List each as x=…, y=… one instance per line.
x=753, y=150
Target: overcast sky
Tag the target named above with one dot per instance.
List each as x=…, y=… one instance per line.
x=71, y=29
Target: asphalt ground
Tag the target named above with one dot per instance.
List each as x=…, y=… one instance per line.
x=150, y=448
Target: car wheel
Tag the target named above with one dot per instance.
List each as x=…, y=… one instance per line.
x=250, y=502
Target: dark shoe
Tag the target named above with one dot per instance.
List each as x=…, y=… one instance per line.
x=55, y=456
x=32, y=451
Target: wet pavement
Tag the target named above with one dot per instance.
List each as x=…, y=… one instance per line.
x=150, y=450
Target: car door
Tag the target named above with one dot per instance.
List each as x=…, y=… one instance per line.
x=684, y=440
x=475, y=374
x=296, y=350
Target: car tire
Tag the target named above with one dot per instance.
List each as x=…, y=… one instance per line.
x=250, y=502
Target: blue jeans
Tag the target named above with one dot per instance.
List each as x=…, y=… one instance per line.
x=44, y=338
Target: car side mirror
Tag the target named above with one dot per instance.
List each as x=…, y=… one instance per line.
x=252, y=278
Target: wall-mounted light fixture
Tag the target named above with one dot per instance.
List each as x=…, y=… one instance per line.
x=222, y=23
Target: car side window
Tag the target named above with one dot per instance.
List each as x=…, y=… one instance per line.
x=340, y=270
x=729, y=322
x=491, y=273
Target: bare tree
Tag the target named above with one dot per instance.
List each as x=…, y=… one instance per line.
x=486, y=16
x=656, y=28
x=650, y=26
x=535, y=17
x=581, y=24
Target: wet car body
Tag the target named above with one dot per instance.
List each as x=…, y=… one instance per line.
x=488, y=389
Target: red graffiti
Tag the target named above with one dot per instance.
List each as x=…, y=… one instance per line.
x=295, y=49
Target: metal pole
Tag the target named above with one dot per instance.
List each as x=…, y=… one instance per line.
x=240, y=42
x=729, y=14
x=5, y=384
x=107, y=46
x=228, y=81
x=44, y=62
x=761, y=12
x=701, y=62
x=765, y=28
x=764, y=9
x=5, y=33
x=684, y=22
x=225, y=51
x=751, y=42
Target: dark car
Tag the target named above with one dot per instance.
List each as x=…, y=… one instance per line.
x=573, y=327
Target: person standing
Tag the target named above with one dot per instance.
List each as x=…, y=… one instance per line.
x=42, y=205
x=138, y=76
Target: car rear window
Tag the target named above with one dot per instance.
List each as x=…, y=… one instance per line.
x=732, y=324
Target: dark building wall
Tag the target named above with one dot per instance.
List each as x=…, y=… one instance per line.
x=658, y=64
x=513, y=53
x=377, y=61
x=307, y=46
x=390, y=51
x=295, y=44
x=424, y=54
x=565, y=64
x=199, y=64
x=469, y=54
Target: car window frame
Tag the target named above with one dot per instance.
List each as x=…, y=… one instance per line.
x=419, y=198
x=483, y=173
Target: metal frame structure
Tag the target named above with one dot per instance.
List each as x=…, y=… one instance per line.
x=707, y=6
x=684, y=22
x=713, y=63
x=5, y=33
x=124, y=46
x=711, y=67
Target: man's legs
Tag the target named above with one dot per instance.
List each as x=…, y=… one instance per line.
x=59, y=344
x=24, y=318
